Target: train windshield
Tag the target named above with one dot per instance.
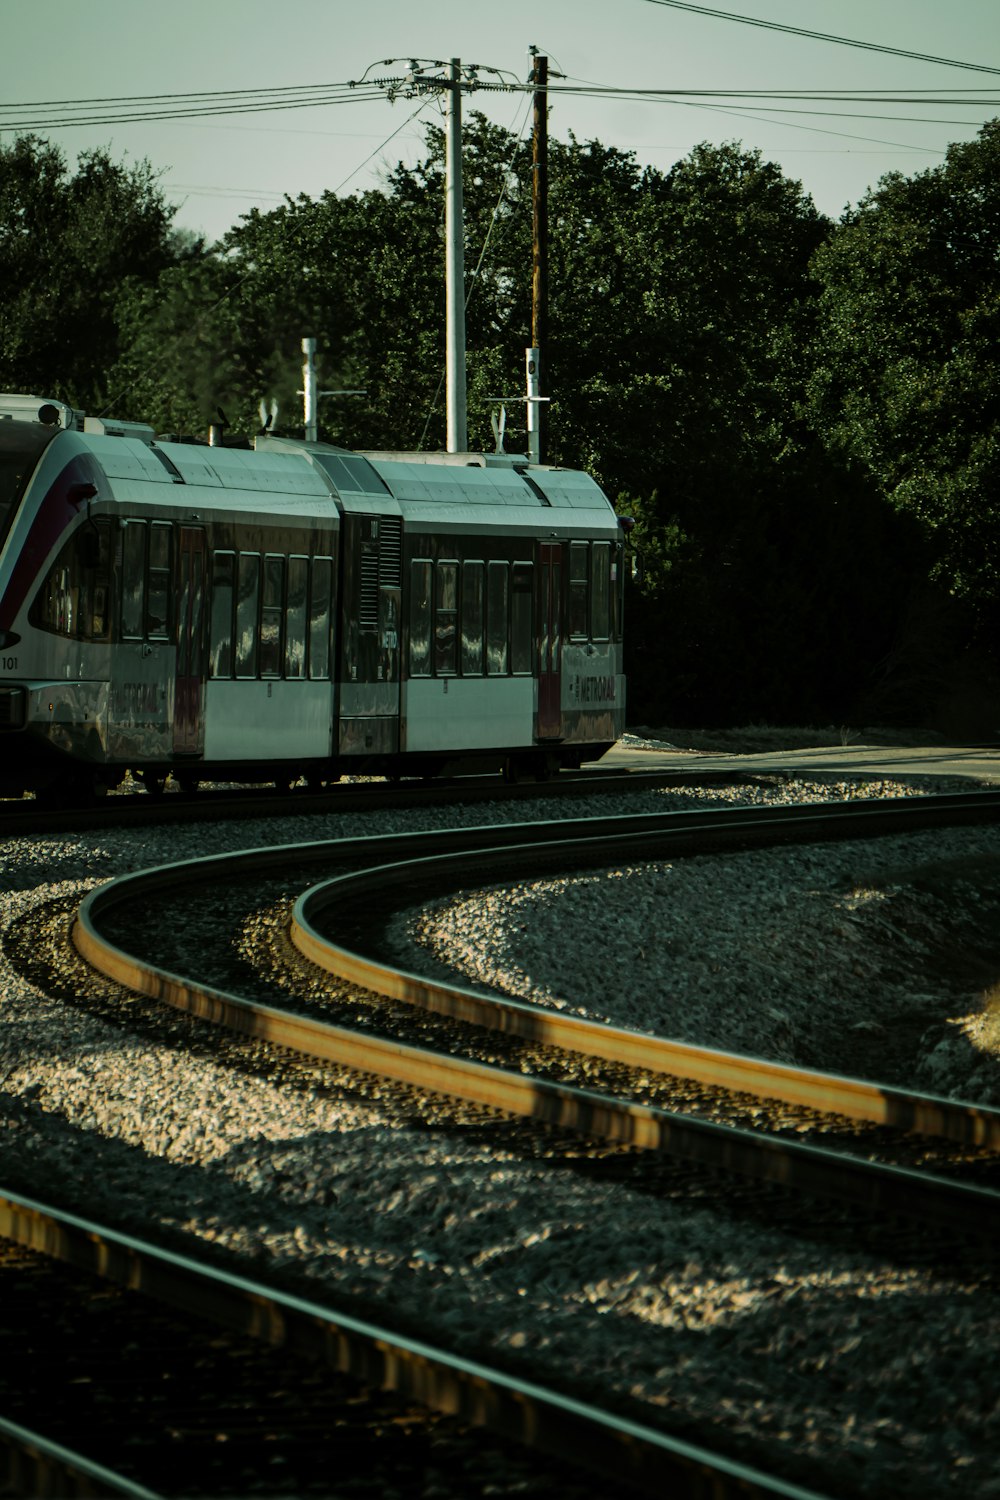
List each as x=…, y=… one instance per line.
x=21, y=446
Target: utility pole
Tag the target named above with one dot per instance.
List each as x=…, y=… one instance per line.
x=539, y=255
x=422, y=77
x=454, y=236
x=310, y=403
x=311, y=393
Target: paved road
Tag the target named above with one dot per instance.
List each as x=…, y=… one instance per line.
x=979, y=762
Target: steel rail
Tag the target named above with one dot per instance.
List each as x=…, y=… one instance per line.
x=210, y=804
x=605, y=1442
x=138, y=809
x=875, y=1187
x=319, y=909
x=31, y=1464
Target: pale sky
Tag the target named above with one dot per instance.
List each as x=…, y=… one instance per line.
x=215, y=169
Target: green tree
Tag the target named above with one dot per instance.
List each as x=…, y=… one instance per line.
x=184, y=349
x=906, y=385
x=72, y=247
x=722, y=480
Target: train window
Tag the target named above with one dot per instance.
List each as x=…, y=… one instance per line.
x=295, y=617
x=578, y=580
x=133, y=580
x=320, y=604
x=220, y=659
x=618, y=591
x=248, y=594
x=600, y=591
x=420, y=617
x=473, y=575
x=271, y=612
x=158, y=581
x=446, y=619
x=496, y=619
x=520, y=617
x=342, y=476
x=75, y=597
x=352, y=472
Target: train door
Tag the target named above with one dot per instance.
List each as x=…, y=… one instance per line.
x=549, y=637
x=189, y=692
x=371, y=592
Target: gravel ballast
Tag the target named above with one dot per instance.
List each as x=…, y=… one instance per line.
x=875, y=1369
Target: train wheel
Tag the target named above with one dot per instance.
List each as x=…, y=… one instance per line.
x=152, y=781
x=546, y=767
x=188, y=784
x=517, y=768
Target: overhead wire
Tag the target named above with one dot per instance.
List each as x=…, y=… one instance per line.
x=693, y=99
x=409, y=120
x=821, y=36
x=845, y=135
x=135, y=108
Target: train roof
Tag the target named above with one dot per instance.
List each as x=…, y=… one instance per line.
x=300, y=478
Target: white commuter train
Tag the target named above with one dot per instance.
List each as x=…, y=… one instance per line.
x=294, y=610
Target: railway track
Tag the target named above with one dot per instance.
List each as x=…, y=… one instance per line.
x=207, y=1001
x=226, y=1416
x=137, y=809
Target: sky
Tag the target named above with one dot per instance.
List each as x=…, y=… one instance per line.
x=215, y=169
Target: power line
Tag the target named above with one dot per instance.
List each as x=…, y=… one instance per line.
x=751, y=113
x=989, y=98
x=759, y=116
x=652, y=96
x=136, y=109
x=821, y=36
x=381, y=147
x=292, y=88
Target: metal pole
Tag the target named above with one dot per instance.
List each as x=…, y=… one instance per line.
x=310, y=404
x=540, y=242
x=534, y=407
x=454, y=234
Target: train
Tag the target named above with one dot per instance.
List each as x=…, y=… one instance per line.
x=292, y=612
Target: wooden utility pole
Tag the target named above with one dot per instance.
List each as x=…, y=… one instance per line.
x=540, y=238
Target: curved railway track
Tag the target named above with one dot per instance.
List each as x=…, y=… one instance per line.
x=351, y=902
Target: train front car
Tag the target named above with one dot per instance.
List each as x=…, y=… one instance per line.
x=164, y=607
x=55, y=628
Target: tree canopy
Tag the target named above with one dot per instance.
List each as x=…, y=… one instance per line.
x=905, y=384
x=72, y=249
